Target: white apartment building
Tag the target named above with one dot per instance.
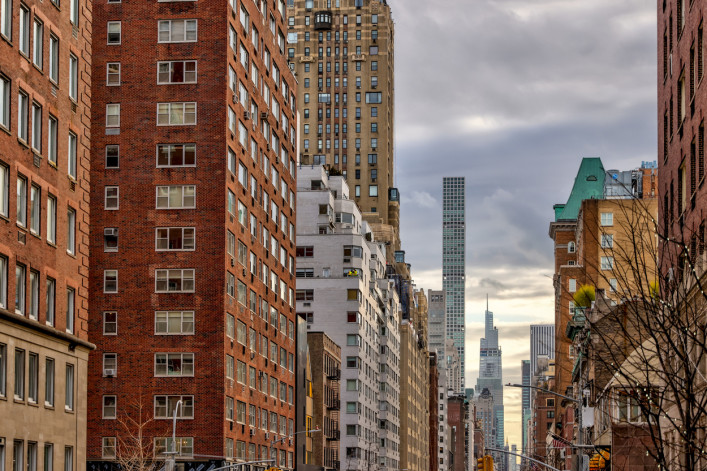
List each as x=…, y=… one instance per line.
x=342, y=291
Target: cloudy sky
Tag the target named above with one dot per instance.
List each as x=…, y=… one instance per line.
x=511, y=94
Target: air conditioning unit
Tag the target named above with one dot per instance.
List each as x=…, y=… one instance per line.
x=264, y=115
x=109, y=372
x=252, y=432
x=233, y=262
x=234, y=98
x=562, y=453
x=110, y=231
x=246, y=115
x=267, y=436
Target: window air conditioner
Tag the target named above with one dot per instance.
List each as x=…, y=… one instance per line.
x=110, y=231
x=246, y=115
x=109, y=372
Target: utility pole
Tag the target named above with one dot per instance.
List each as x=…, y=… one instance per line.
x=170, y=462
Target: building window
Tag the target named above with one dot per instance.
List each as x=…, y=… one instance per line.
x=113, y=115
x=110, y=323
x=6, y=18
x=110, y=364
x=112, y=156
x=112, y=198
x=109, y=407
x=174, y=238
x=110, y=239
x=110, y=281
x=48, y=457
x=18, y=455
x=607, y=219
x=4, y=98
x=71, y=160
x=38, y=44
x=174, y=364
x=50, y=300
x=183, y=445
x=612, y=285
x=176, y=114
x=571, y=247
x=52, y=139
x=33, y=377
x=176, y=31
x=73, y=76
x=22, y=115
x=24, y=30
x=70, y=311
x=607, y=241
x=53, y=58
x=176, y=72
x=113, y=73
x=37, y=127
x=108, y=447
x=69, y=453
x=607, y=263
x=35, y=209
x=33, y=294
x=572, y=285
x=71, y=231
x=165, y=407
x=176, y=197
x=114, y=32
x=174, y=322
x=3, y=371
x=176, y=155
x=69, y=396
x=20, y=285
x=174, y=280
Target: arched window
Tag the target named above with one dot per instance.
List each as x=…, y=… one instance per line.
x=571, y=247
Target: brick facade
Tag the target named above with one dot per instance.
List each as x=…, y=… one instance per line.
x=227, y=96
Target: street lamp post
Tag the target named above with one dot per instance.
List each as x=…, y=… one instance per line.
x=172, y=454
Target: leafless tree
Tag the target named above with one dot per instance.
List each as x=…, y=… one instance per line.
x=135, y=447
x=643, y=342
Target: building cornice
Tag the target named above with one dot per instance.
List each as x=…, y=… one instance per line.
x=49, y=331
x=568, y=225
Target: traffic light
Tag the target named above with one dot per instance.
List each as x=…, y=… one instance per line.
x=480, y=465
x=488, y=463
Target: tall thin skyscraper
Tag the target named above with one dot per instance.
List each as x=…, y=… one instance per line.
x=526, y=374
x=453, y=264
x=491, y=375
x=542, y=342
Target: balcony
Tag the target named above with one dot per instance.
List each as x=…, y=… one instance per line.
x=322, y=20
x=334, y=374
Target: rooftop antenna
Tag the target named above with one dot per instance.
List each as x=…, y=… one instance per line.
x=487, y=301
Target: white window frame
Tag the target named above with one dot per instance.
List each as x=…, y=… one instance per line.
x=170, y=71
x=69, y=385
x=185, y=319
x=607, y=219
x=183, y=188
x=73, y=74
x=166, y=410
x=106, y=274
x=106, y=322
x=70, y=309
x=109, y=445
x=173, y=149
x=109, y=206
x=607, y=241
x=109, y=412
x=607, y=262
x=166, y=357
x=170, y=32
x=182, y=443
x=169, y=230
x=5, y=87
x=72, y=155
x=6, y=18
x=52, y=139
x=71, y=231
x=38, y=43
x=113, y=77
x=108, y=33
x=24, y=30
x=166, y=112
x=51, y=219
x=23, y=116
x=113, y=115
x=163, y=275
x=54, y=59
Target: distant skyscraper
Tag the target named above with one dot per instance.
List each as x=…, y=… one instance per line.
x=491, y=375
x=436, y=323
x=526, y=374
x=542, y=342
x=453, y=264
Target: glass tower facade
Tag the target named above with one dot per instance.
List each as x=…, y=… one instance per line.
x=453, y=264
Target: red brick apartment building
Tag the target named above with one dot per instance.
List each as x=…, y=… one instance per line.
x=681, y=123
x=193, y=241
x=45, y=96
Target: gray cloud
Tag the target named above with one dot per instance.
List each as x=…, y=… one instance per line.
x=511, y=94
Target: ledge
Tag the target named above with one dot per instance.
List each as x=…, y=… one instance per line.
x=72, y=340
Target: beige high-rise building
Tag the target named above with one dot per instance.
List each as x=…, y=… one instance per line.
x=414, y=389
x=342, y=55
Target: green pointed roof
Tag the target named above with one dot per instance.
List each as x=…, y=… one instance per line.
x=588, y=184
